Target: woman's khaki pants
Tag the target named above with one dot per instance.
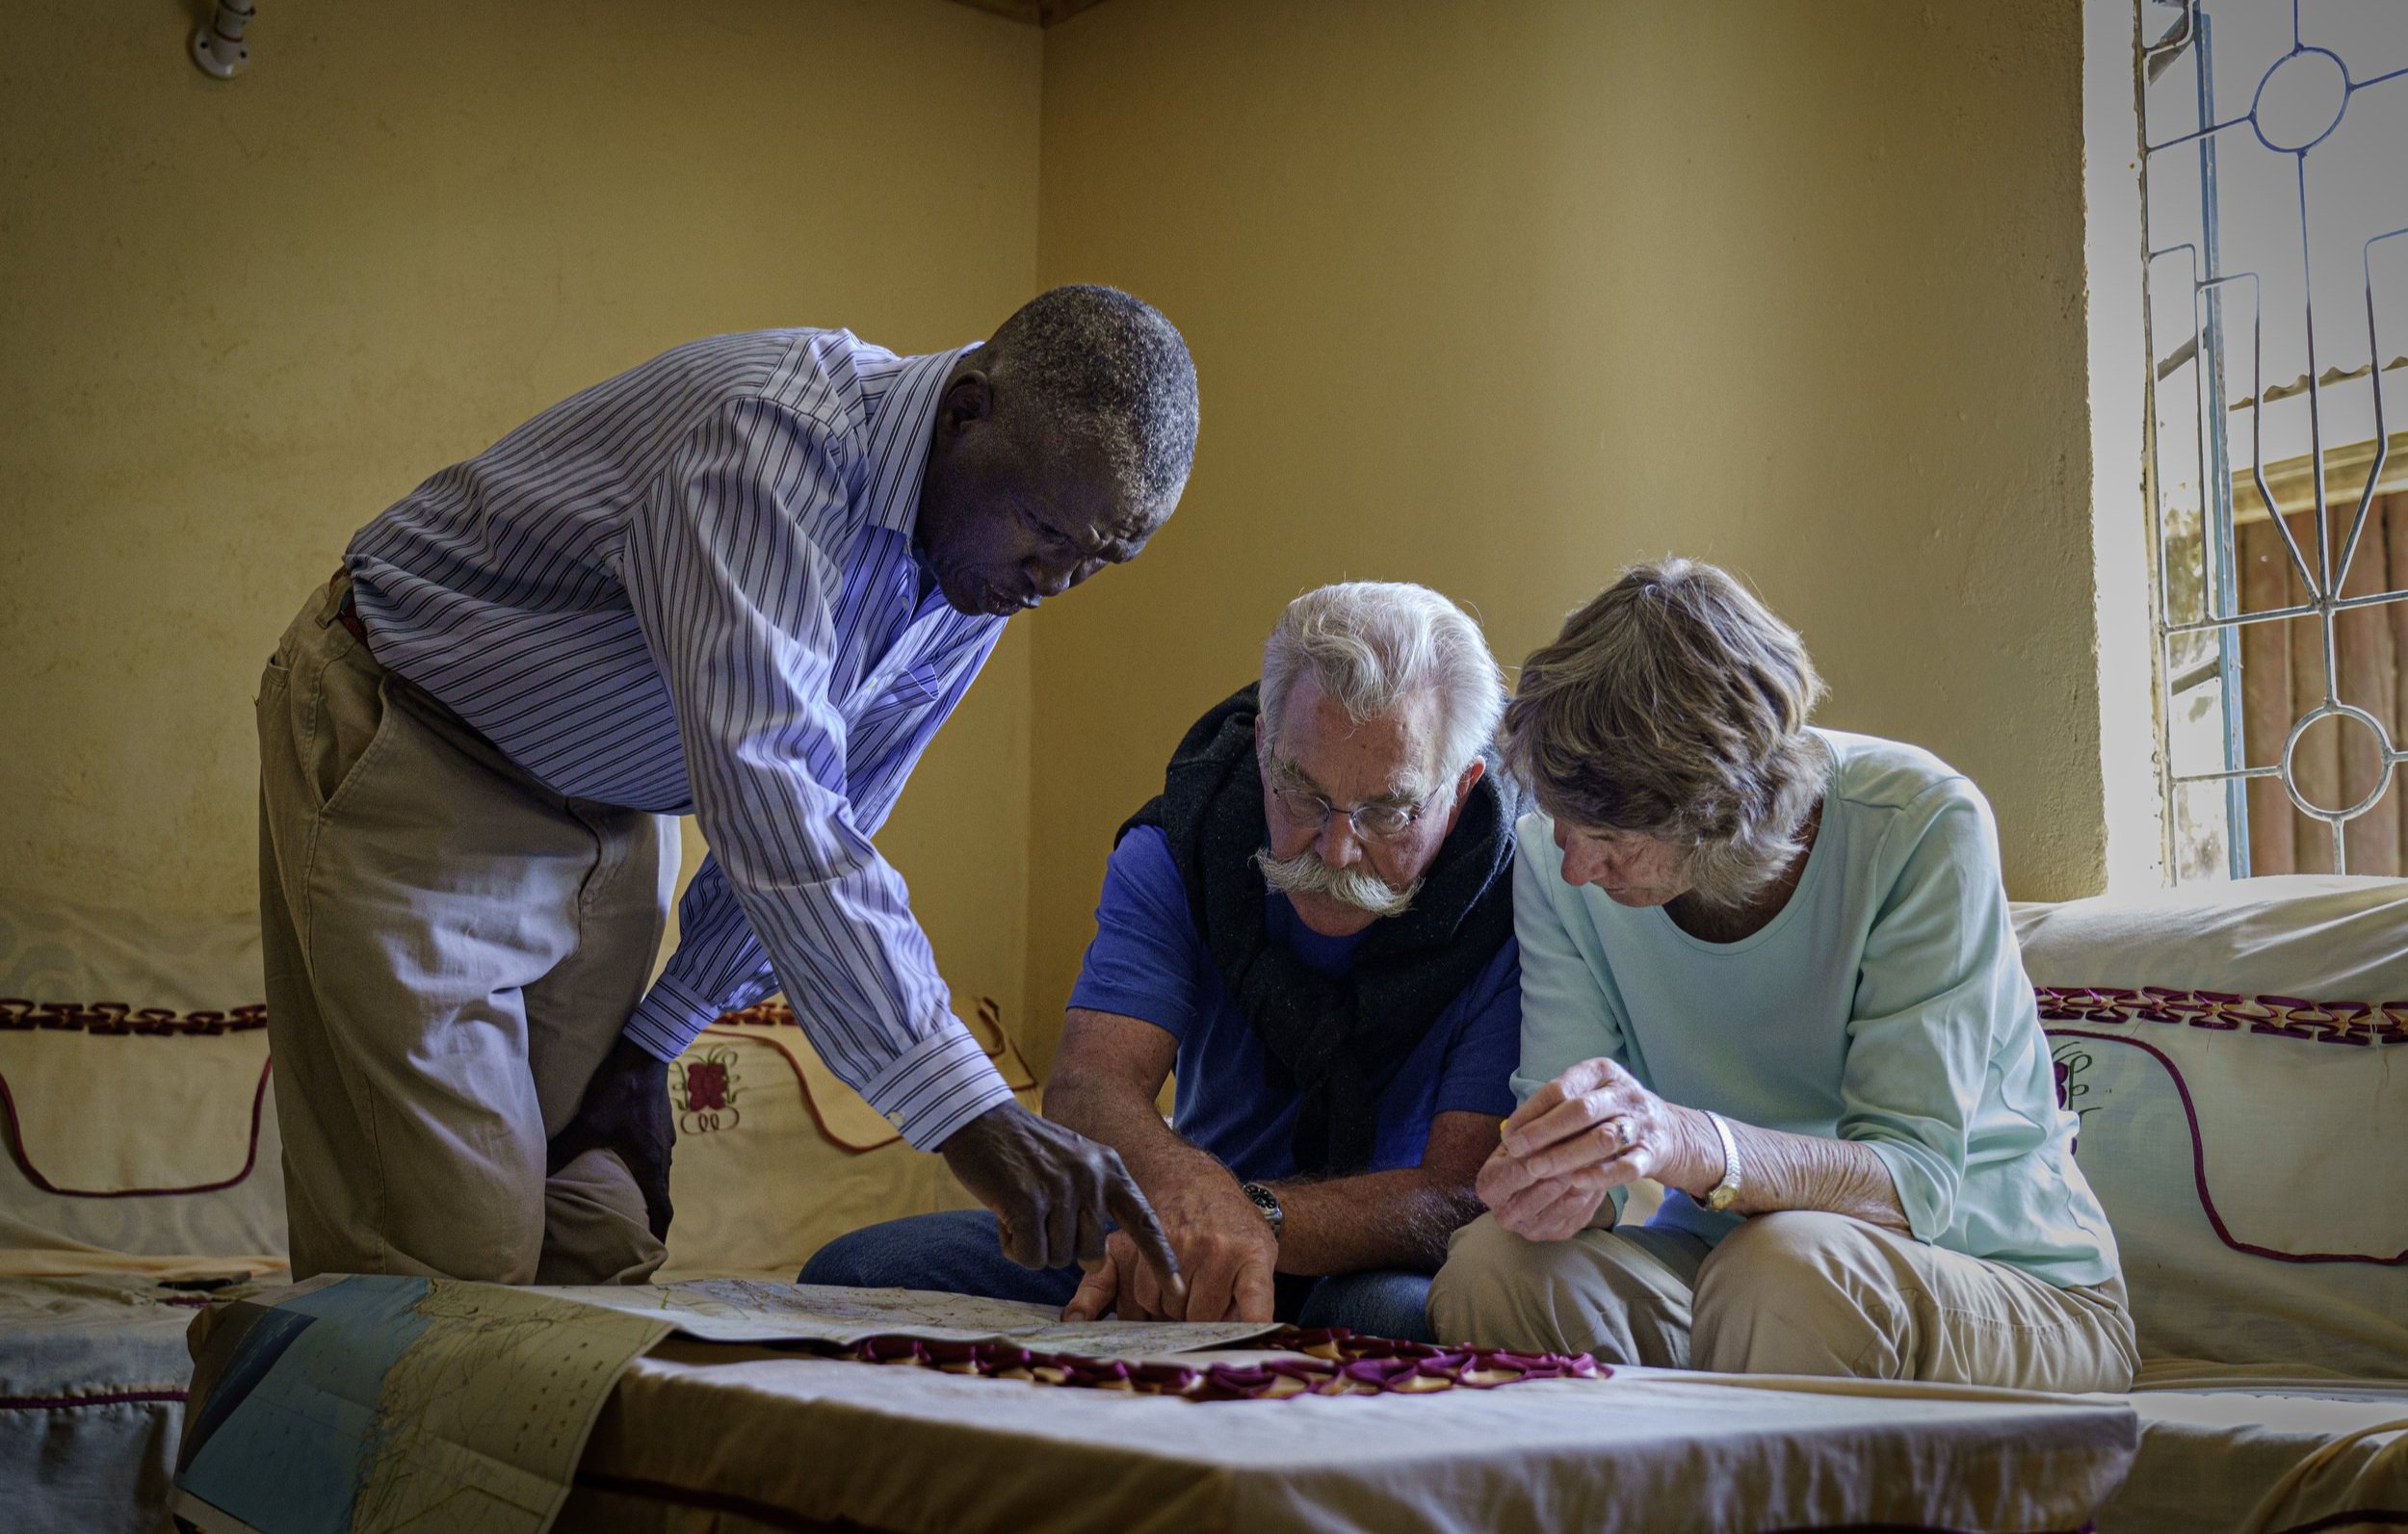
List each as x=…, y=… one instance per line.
x=1796, y=1293
x=451, y=948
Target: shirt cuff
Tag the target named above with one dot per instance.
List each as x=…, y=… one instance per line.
x=936, y=1087
x=1929, y=1211
x=668, y=1018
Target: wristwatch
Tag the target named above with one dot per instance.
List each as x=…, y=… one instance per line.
x=1719, y=1198
x=1269, y=1203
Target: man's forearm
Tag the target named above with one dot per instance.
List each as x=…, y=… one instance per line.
x=1127, y=1122
x=1378, y=1219
x=1342, y=1225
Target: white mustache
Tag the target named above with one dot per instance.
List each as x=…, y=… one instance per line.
x=1305, y=873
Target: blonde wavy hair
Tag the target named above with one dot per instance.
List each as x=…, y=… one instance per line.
x=1674, y=705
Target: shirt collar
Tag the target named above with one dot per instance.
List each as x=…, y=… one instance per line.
x=899, y=395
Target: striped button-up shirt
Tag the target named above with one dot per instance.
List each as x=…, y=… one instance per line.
x=692, y=588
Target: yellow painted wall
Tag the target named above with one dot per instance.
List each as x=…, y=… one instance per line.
x=1500, y=296
x=1492, y=294
x=239, y=318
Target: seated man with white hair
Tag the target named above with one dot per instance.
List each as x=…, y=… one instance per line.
x=1312, y=926
x=1769, y=967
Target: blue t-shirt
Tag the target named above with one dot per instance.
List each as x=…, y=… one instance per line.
x=1149, y=962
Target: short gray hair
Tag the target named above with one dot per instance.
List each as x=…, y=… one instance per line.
x=1101, y=367
x=1371, y=644
x=1674, y=705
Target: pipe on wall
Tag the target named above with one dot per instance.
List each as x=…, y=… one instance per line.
x=218, y=44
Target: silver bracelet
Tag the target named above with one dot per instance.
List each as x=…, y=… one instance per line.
x=1722, y=1194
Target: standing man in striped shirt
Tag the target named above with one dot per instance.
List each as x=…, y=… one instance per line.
x=748, y=579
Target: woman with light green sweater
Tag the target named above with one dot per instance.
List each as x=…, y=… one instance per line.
x=1769, y=967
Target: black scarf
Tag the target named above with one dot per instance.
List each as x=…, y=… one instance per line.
x=1336, y=1042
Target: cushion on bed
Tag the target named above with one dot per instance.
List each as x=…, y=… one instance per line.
x=777, y=1157
x=141, y=1138
x=93, y=1107
x=134, y=1102
x=2244, y=1096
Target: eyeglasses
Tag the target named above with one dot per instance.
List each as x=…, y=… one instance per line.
x=1376, y=822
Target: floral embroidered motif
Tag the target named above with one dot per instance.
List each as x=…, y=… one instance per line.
x=704, y=1089
x=706, y=1085
x=2073, y=1061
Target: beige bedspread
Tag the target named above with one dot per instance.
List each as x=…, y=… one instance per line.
x=92, y=1374
x=701, y=1437
x=2228, y=1450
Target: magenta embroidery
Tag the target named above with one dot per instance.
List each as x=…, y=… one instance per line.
x=2355, y=1022
x=1327, y=1361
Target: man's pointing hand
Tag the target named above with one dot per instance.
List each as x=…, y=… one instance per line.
x=1057, y=1194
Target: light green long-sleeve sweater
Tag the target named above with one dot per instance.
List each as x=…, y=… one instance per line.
x=1886, y=1003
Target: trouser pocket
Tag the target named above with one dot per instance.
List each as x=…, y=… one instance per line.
x=321, y=710
x=348, y=718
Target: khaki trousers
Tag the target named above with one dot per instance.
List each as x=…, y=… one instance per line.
x=1795, y=1293
x=451, y=949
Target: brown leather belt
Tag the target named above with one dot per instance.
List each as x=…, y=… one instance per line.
x=347, y=614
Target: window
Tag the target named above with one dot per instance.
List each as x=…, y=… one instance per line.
x=2274, y=188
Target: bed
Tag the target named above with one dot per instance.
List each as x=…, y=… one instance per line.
x=2268, y=1274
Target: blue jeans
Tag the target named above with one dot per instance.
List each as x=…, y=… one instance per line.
x=958, y=1252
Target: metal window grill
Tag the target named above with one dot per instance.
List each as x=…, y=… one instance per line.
x=2277, y=245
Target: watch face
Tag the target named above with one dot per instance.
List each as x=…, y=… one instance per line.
x=1268, y=1202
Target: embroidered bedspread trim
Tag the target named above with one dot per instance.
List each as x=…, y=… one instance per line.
x=2358, y=1022
x=17, y=1014
x=2354, y=1023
